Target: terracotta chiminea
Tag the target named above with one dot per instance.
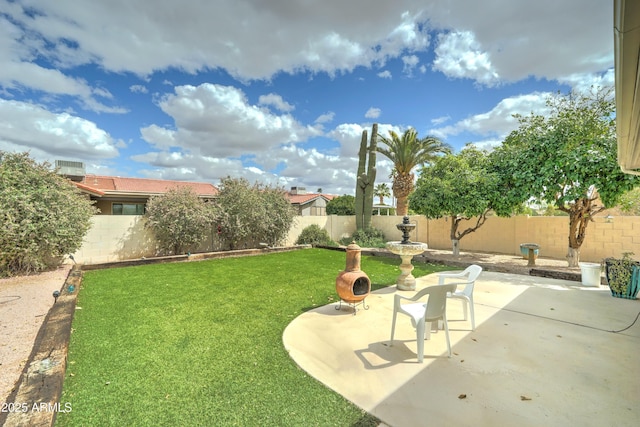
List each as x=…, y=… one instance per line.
x=352, y=284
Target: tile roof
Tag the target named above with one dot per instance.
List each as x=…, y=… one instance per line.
x=113, y=185
x=301, y=199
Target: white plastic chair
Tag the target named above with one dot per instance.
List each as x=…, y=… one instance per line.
x=468, y=278
x=421, y=313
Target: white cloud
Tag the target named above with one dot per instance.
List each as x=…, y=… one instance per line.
x=499, y=121
x=19, y=50
x=157, y=35
x=440, y=120
x=583, y=82
x=544, y=39
x=275, y=101
x=215, y=120
x=373, y=113
x=27, y=127
x=410, y=62
x=474, y=44
x=386, y=74
x=138, y=89
x=325, y=118
x=458, y=55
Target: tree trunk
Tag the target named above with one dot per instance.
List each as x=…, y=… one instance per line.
x=573, y=257
x=402, y=208
x=580, y=214
x=456, y=247
x=402, y=187
x=455, y=241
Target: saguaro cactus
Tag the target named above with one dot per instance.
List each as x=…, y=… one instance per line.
x=366, y=179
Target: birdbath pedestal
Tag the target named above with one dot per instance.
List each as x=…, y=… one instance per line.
x=406, y=281
x=406, y=249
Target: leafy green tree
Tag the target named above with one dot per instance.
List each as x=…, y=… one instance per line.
x=630, y=202
x=568, y=158
x=43, y=216
x=382, y=190
x=179, y=219
x=406, y=153
x=247, y=215
x=457, y=186
x=342, y=205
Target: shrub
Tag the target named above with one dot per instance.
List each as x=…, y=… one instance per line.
x=342, y=205
x=179, y=219
x=367, y=238
x=314, y=235
x=247, y=215
x=43, y=216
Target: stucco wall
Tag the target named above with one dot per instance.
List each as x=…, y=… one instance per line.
x=113, y=238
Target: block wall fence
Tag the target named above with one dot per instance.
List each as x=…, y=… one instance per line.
x=115, y=238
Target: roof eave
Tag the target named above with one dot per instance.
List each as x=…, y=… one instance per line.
x=626, y=17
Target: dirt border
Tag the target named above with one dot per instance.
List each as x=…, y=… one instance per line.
x=37, y=393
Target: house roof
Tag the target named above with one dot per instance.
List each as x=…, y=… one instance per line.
x=301, y=199
x=115, y=185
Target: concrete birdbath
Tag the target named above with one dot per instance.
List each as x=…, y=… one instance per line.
x=406, y=249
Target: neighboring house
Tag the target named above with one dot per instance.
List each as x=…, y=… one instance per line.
x=128, y=196
x=115, y=195
x=308, y=204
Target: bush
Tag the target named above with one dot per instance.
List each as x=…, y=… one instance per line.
x=179, y=219
x=247, y=215
x=314, y=235
x=367, y=238
x=342, y=205
x=43, y=216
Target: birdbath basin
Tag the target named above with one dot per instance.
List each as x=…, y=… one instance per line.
x=406, y=281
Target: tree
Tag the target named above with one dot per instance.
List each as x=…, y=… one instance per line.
x=568, y=158
x=43, y=216
x=342, y=205
x=179, y=219
x=630, y=202
x=382, y=191
x=247, y=215
x=460, y=187
x=406, y=153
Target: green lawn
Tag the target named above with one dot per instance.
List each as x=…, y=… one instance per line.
x=200, y=343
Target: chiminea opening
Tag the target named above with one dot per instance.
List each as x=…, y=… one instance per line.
x=352, y=284
x=361, y=286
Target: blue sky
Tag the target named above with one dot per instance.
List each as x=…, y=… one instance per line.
x=280, y=91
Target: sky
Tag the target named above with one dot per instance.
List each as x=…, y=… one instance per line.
x=279, y=91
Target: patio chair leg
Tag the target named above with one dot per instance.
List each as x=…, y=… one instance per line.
x=420, y=331
x=393, y=327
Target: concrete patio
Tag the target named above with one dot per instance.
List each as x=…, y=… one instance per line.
x=544, y=352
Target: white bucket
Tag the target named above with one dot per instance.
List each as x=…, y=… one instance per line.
x=590, y=273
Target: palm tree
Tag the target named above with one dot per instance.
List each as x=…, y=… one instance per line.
x=406, y=153
x=382, y=191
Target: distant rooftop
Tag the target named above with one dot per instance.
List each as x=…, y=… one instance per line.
x=102, y=185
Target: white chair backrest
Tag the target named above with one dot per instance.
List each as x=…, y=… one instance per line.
x=473, y=272
x=437, y=302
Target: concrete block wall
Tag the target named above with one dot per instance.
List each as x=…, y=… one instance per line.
x=114, y=238
x=120, y=237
